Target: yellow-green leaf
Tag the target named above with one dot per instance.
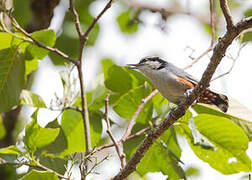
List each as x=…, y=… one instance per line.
x=12, y=70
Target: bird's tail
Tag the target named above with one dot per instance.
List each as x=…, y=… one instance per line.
x=210, y=97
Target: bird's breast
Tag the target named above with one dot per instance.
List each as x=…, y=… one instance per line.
x=169, y=86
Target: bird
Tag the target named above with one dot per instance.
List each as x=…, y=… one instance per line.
x=174, y=83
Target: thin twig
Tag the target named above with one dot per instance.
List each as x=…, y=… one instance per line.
x=84, y=111
x=100, y=148
x=233, y=63
x=76, y=18
x=108, y=5
x=198, y=58
x=118, y=145
x=136, y=135
x=142, y=131
x=82, y=39
x=135, y=115
x=34, y=41
x=105, y=146
x=78, y=109
x=212, y=23
x=37, y=165
x=97, y=163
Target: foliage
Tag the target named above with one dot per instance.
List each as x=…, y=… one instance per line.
x=219, y=139
x=125, y=23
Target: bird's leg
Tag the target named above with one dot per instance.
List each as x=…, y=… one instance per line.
x=187, y=94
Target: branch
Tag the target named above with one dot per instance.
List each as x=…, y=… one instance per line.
x=78, y=29
x=227, y=14
x=83, y=39
x=84, y=109
x=76, y=18
x=179, y=111
x=135, y=115
x=118, y=145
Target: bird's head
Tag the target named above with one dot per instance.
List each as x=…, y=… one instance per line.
x=149, y=64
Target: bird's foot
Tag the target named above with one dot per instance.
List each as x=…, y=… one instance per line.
x=188, y=92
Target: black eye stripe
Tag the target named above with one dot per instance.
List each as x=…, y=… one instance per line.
x=161, y=67
x=154, y=59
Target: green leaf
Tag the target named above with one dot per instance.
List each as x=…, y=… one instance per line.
x=248, y=12
x=161, y=105
x=29, y=98
x=165, y=160
x=127, y=104
x=10, y=153
x=56, y=164
x=247, y=37
x=10, y=150
x=106, y=64
x=129, y=147
x=244, y=124
x=207, y=28
x=22, y=12
x=68, y=45
x=138, y=78
x=45, y=37
x=228, y=155
x=72, y=126
x=12, y=70
x=119, y=80
x=2, y=129
x=222, y=132
x=125, y=24
x=39, y=175
x=9, y=171
x=60, y=143
x=5, y=40
x=30, y=66
x=192, y=171
x=95, y=119
x=38, y=137
x=98, y=93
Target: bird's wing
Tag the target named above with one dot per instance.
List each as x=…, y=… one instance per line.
x=183, y=76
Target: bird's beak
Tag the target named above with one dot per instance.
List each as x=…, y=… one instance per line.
x=133, y=66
